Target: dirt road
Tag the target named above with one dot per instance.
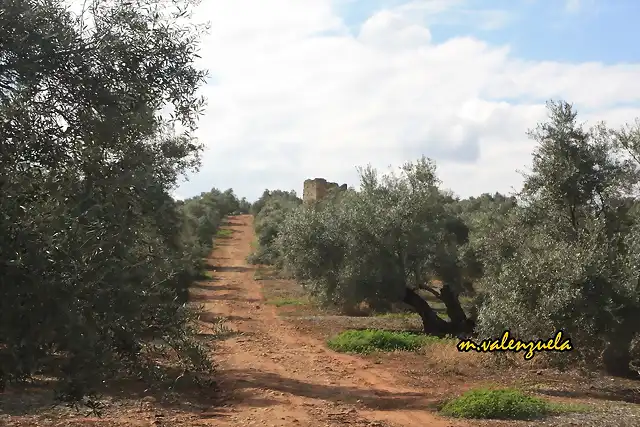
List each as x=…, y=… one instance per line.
x=277, y=376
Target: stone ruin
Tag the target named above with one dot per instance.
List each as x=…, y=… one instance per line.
x=316, y=189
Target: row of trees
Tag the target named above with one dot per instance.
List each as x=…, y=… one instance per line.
x=95, y=256
x=561, y=254
x=269, y=212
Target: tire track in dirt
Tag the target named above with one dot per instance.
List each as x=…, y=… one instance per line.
x=276, y=376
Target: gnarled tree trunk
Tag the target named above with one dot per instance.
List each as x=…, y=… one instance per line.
x=433, y=324
x=460, y=322
x=616, y=356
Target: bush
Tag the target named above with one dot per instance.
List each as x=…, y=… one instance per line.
x=267, y=195
x=366, y=341
x=268, y=222
x=498, y=404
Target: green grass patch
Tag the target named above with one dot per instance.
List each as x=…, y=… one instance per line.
x=406, y=316
x=281, y=302
x=369, y=340
x=560, y=408
x=504, y=404
x=224, y=232
x=397, y=315
x=204, y=275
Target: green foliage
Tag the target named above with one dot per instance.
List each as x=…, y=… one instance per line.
x=96, y=256
x=567, y=257
x=267, y=195
x=367, y=341
x=204, y=214
x=397, y=233
x=224, y=233
x=281, y=302
x=271, y=210
x=486, y=217
x=497, y=404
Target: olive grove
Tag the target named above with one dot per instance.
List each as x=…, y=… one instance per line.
x=561, y=254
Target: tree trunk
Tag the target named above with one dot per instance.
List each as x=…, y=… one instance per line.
x=616, y=356
x=460, y=322
x=432, y=324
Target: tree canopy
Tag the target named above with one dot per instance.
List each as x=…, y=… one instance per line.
x=572, y=263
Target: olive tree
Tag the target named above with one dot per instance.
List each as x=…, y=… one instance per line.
x=568, y=258
x=267, y=195
x=92, y=250
x=271, y=210
x=384, y=243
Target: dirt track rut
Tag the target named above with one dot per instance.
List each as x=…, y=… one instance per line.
x=277, y=376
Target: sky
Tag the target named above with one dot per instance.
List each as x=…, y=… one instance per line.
x=314, y=88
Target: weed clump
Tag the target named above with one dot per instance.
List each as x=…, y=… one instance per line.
x=366, y=341
x=497, y=404
x=281, y=302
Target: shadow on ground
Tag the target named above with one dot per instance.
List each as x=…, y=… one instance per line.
x=629, y=395
x=246, y=380
x=222, y=243
x=224, y=297
x=213, y=286
x=175, y=392
x=209, y=317
x=230, y=223
x=204, y=280
x=218, y=292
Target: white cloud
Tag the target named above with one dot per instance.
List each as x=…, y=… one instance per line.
x=572, y=6
x=588, y=7
x=393, y=30
x=455, y=12
x=290, y=102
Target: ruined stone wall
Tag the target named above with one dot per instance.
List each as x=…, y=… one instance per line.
x=316, y=189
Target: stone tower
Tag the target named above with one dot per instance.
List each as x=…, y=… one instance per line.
x=316, y=189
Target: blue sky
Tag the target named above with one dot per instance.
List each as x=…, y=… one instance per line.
x=555, y=30
x=546, y=30
x=314, y=88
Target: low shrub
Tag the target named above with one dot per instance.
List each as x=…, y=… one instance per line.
x=498, y=404
x=369, y=340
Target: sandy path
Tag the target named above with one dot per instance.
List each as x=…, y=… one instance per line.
x=277, y=376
